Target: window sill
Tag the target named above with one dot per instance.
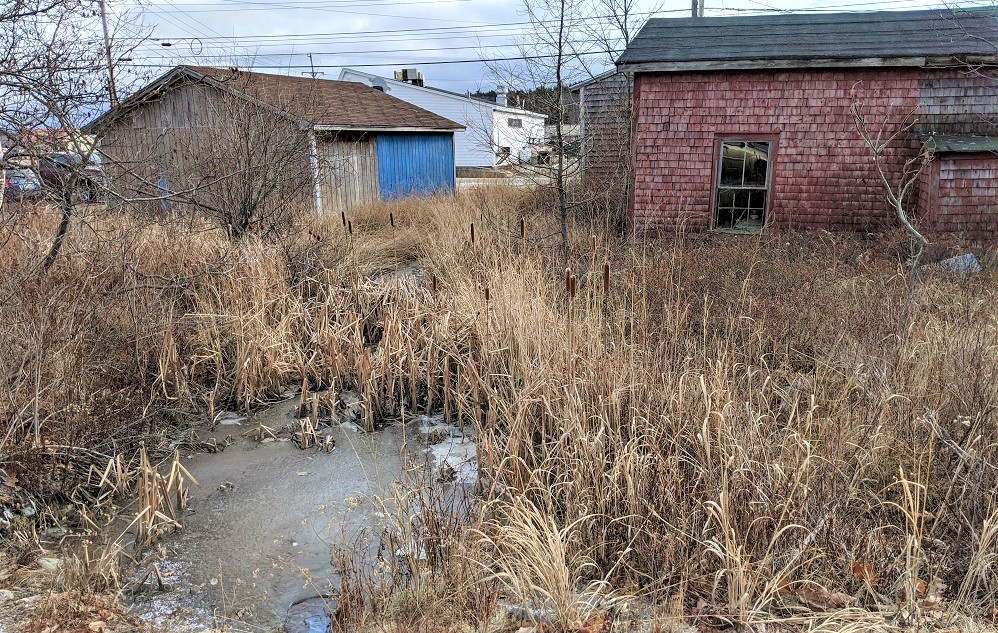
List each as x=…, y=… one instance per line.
x=754, y=230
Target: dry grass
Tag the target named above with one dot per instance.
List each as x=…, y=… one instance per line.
x=746, y=428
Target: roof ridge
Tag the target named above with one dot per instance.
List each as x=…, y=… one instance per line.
x=738, y=40
x=323, y=103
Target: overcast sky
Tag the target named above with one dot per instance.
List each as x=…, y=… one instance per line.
x=441, y=37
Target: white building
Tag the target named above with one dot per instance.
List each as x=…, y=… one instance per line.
x=495, y=133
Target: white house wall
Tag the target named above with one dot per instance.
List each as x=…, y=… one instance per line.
x=516, y=139
x=471, y=146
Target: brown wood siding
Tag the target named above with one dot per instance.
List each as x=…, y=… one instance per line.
x=158, y=137
x=216, y=150
x=349, y=171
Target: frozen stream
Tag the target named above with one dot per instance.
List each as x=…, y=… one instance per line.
x=254, y=553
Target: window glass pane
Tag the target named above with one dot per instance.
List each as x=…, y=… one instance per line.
x=743, y=184
x=732, y=163
x=756, y=163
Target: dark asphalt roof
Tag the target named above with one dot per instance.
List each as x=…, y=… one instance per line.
x=329, y=103
x=882, y=34
x=321, y=102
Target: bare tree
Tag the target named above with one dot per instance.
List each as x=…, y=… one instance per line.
x=898, y=183
x=53, y=77
x=572, y=41
x=253, y=171
x=550, y=61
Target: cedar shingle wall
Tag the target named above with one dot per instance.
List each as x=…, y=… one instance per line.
x=823, y=176
x=606, y=150
x=964, y=199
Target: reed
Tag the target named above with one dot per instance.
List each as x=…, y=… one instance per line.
x=725, y=422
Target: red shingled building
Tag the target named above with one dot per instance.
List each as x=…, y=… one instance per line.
x=745, y=123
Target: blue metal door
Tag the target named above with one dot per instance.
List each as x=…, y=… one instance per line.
x=414, y=164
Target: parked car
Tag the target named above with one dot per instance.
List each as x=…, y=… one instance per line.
x=21, y=183
x=68, y=172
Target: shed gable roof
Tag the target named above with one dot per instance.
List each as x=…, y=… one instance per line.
x=870, y=38
x=323, y=103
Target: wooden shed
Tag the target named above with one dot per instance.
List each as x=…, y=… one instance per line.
x=329, y=144
x=747, y=123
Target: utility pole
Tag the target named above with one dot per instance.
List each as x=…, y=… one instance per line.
x=112, y=93
x=311, y=65
x=696, y=8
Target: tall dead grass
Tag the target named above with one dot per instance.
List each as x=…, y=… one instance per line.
x=745, y=426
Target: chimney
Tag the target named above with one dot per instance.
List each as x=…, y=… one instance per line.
x=410, y=76
x=501, y=95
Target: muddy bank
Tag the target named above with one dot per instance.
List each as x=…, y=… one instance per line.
x=255, y=546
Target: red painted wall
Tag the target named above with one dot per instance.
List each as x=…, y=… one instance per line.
x=822, y=173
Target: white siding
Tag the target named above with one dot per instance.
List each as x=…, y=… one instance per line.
x=471, y=147
x=517, y=139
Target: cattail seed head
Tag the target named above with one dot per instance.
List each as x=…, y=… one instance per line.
x=571, y=287
x=391, y=219
x=349, y=227
x=594, y=244
x=523, y=229
x=343, y=216
x=487, y=296
x=434, y=283
x=606, y=276
x=568, y=279
x=472, y=233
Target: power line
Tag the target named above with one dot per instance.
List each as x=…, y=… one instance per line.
x=486, y=29
x=414, y=63
x=367, y=13
x=394, y=50
x=304, y=3
x=470, y=27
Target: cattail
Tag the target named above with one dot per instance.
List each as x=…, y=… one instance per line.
x=594, y=244
x=571, y=287
x=343, y=216
x=391, y=219
x=472, y=233
x=487, y=297
x=606, y=276
x=568, y=279
x=523, y=229
x=434, y=284
x=350, y=228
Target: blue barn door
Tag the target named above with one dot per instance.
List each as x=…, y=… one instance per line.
x=414, y=164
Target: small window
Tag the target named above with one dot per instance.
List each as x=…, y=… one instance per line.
x=505, y=153
x=515, y=122
x=742, y=185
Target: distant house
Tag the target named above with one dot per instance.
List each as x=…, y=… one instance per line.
x=342, y=142
x=743, y=123
x=495, y=134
